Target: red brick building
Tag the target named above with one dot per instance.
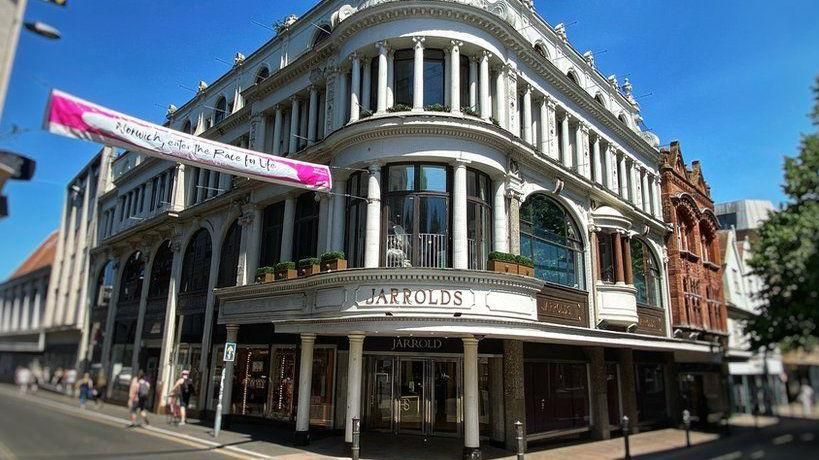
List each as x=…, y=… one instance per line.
x=694, y=265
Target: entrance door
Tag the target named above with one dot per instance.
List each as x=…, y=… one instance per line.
x=412, y=396
x=429, y=396
x=379, y=393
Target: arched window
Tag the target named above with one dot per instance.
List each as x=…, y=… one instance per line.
x=622, y=117
x=130, y=288
x=161, y=272
x=434, y=84
x=271, y=244
x=550, y=237
x=599, y=99
x=709, y=252
x=323, y=33
x=573, y=77
x=99, y=310
x=356, y=218
x=221, y=110
x=196, y=263
x=305, y=229
x=541, y=50
x=187, y=127
x=229, y=258
x=646, y=274
x=262, y=74
x=478, y=218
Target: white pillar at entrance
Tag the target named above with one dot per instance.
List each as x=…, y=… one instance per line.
x=455, y=77
x=499, y=215
x=305, y=379
x=286, y=253
x=418, y=75
x=366, y=82
x=565, y=146
x=354, y=368
x=486, y=108
x=227, y=395
x=294, y=126
x=460, y=251
x=596, y=161
x=381, y=93
x=372, y=234
x=339, y=219
x=527, y=114
x=471, y=412
x=355, y=84
x=473, y=83
x=312, y=116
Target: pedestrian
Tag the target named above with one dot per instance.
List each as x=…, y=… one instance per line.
x=100, y=386
x=138, y=398
x=85, y=386
x=21, y=377
x=806, y=398
x=182, y=390
x=70, y=381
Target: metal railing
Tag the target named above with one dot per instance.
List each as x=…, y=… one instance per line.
x=432, y=250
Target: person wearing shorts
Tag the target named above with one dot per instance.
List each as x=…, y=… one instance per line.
x=138, y=398
x=182, y=390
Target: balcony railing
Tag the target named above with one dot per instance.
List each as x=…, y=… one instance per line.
x=426, y=250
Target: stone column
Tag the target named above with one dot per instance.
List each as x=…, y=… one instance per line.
x=622, y=177
x=500, y=225
x=277, y=131
x=565, y=146
x=527, y=114
x=473, y=83
x=381, y=93
x=165, y=379
x=355, y=90
x=305, y=393
x=244, y=275
x=455, y=76
x=514, y=222
x=472, y=445
x=390, y=78
x=143, y=302
x=611, y=168
x=460, y=251
x=366, y=82
x=514, y=397
x=210, y=308
x=341, y=100
x=543, y=136
x=599, y=401
x=332, y=99
x=354, y=370
x=372, y=234
x=619, y=274
x=227, y=395
x=258, y=132
x=636, y=193
x=500, y=96
x=597, y=169
x=658, y=195
x=627, y=260
x=293, y=142
x=179, y=188
x=418, y=75
x=579, y=148
x=286, y=253
x=312, y=116
x=486, y=108
x=628, y=387
x=645, y=192
x=339, y=217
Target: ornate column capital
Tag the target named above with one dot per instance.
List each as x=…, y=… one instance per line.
x=484, y=55
x=455, y=45
x=418, y=41
x=355, y=56
x=384, y=47
x=374, y=168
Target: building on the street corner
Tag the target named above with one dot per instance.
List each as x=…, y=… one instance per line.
x=22, y=304
x=453, y=130
x=66, y=305
x=696, y=286
x=757, y=379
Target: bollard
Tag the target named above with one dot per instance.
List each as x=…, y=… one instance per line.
x=521, y=440
x=687, y=423
x=356, y=448
x=624, y=426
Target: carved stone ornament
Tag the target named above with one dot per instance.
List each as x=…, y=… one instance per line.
x=560, y=30
x=238, y=59
x=202, y=86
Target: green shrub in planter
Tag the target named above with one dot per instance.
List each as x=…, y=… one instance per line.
x=288, y=265
x=495, y=122
x=525, y=261
x=503, y=257
x=332, y=255
x=333, y=261
x=437, y=108
x=399, y=108
x=265, y=274
x=285, y=270
x=365, y=114
x=309, y=261
x=470, y=111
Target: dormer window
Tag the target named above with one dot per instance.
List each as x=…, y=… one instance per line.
x=599, y=99
x=541, y=50
x=221, y=110
x=262, y=74
x=573, y=77
x=323, y=33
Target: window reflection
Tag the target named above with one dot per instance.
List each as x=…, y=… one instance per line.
x=550, y=238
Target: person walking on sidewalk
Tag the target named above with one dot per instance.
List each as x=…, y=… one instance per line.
x=85, y=386
x=138, y=398
x=182, y=390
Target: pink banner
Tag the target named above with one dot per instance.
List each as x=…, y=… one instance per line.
x=73, y=117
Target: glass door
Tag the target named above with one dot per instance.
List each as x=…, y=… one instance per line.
x=412, y=396
x=445, y=399
x=379, y=409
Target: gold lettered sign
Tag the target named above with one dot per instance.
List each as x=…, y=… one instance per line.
x=369, y=296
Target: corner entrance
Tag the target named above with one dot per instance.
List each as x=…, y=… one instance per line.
x=413, y=395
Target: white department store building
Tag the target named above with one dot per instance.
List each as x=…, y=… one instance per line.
x=453, y=129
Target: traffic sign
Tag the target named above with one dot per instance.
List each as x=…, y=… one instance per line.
x=230, y=352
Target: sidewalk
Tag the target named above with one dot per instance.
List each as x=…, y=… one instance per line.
x=264, y=441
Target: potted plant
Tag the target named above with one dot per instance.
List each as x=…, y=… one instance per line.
x=399, y=108
x=365, y=114
x=502, y=262
x=526, y=266
x=332, y=261
x=285, y=270
x=437, y=108
x=265, y=274
x=470, y=111
x=308, y=266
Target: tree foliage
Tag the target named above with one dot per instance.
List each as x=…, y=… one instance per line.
x=786, y=255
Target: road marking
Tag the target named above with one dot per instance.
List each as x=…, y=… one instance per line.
x=6, y=453
x=181, y=438
x=807, y=437
x=757, y=454
x=784, y=439
x=729, y=456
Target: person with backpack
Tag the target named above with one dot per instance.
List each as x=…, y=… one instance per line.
x=138, y=398
x=182, y=391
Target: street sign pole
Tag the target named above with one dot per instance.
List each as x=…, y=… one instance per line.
x=217, y=426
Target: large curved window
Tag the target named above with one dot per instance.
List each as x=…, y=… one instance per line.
x=356, y=218
x=434, y=84
x=161, y=271
x=229, y=257
x=549, y=236
x=478, y=218
x=416, y=215
x=646, y=274
x=305, y=229
x=271, y=244
x=131, y=284
x=196, y=264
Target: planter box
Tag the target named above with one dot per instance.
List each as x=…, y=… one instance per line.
x=526, y=271
x=286, y=274
x=503, y=267
x=334, y=265
x=309, y=270
x=266, y=278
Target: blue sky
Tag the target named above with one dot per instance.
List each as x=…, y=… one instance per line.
x=730, y=79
